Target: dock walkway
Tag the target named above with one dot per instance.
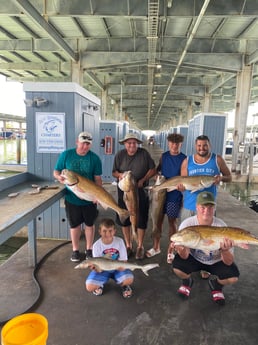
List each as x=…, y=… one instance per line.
x=155, y=315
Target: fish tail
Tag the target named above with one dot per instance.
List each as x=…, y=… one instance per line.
x=148, y=267
x=134, y=233
x=123, y=215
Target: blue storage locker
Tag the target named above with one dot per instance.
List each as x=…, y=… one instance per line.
x=190, y=138
x=215, y=127
x=184, y=131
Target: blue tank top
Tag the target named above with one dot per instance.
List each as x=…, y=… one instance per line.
x=208, y=168
x=170, y=167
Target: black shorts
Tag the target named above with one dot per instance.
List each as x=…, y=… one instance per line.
x=77, y=215
x=192, y=265
x=144, y=205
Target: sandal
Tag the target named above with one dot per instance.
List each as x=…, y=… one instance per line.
x=98, y=291
x=170, y=258
x=185, y=289
x=152, y=252
x=127, y=291
x=216, y=293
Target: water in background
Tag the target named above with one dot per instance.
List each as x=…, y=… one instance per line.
x=8, y=151
x=243, y=192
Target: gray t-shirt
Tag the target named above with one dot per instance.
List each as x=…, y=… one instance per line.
x=139, y=164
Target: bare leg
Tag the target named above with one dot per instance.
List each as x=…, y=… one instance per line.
x=140, y=235
x=89, y=236
x=127, y=236
x=75, y=237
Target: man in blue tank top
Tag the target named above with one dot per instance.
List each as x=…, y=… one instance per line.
x=203, y=162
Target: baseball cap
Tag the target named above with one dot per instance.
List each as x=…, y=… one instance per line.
x=129, y=136
x=85, y=137
x=205, y=198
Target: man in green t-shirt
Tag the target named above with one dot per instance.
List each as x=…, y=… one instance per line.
x=86, y=163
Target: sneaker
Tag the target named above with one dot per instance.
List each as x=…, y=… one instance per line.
x=75, y=256
x=88, y=254
x=216, y=292
x=185, y=289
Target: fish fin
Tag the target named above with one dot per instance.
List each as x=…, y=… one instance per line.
x=171, y=188
x=207, y=242
x=242, y=245
x=105, y=206
x=148, y=267
x=123, y=215
x=97, y=268
x=195, y=189
x=83, y=264
x=134, y=233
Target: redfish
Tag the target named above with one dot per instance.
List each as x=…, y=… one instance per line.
x=210, y=237
x=86, y=189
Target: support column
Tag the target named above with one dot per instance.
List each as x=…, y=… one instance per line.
x=207, y=101
x=116, y=111
x=104, y=105
x=77, y=73
x=180, y=118
x=243, y=90
x=189, y=114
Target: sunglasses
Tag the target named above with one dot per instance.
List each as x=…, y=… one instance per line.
x=86, y=137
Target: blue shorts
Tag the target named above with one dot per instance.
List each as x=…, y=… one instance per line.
x=101, y=278
x=172, y=209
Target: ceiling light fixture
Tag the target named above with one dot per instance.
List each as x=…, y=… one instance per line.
x=169, y=3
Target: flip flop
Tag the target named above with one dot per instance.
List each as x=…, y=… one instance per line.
x=152, y=252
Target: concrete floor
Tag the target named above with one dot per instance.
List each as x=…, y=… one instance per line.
x=155, y=315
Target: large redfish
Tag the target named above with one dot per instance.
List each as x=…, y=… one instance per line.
x=192, y=183
x=129, y=186
x=209, y=238
x=157, y=206
x=86, y=189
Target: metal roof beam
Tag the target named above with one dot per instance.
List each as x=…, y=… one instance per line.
x=27, y=7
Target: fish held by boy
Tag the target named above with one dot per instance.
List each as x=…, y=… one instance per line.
x=192, y=183
x=106, y=264
x=86, y=189
x=208, y=238
x=128, y=185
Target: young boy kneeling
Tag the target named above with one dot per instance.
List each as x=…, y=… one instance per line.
x=113, y=247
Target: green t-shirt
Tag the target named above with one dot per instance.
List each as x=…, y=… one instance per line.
x=88, y=166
